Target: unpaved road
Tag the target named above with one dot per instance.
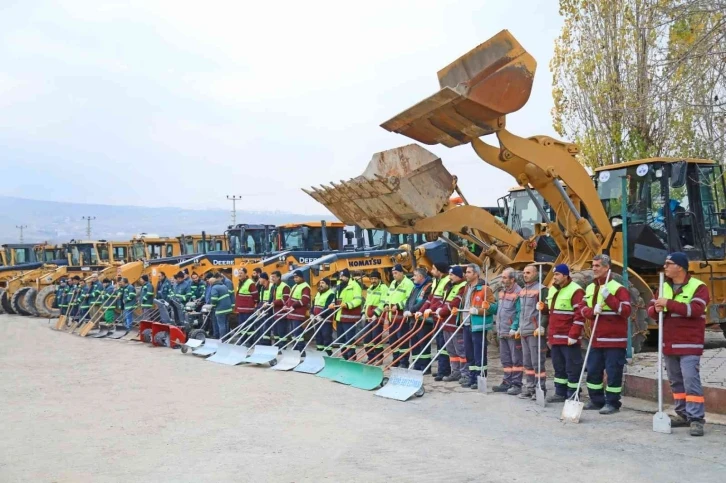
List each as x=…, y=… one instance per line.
x=80, y=410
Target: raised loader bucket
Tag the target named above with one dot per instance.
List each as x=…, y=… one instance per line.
x=313, y=362
x=399, y=187
x=402, y=384
x=477, y=91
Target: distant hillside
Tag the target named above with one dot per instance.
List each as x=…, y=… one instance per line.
x=61, y=222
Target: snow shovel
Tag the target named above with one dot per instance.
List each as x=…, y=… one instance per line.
x=265, y=354
x=211, y=346
x=404, y=383
x=290, y=359
x=333, y=364
x=64, y=318
x=231, y=354
x=313, y=362
x=539, y=393
x=481, y=379
x=572, y=410
x=661, y=421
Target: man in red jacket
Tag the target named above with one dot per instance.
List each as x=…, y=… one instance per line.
x=299, y=302
x=246, y=298
x=612, y=302
x=683, y=302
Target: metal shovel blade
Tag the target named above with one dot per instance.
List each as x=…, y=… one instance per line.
x=289, y=360
x=313, y=362
x=347, y=372
x=402, y=384
x=367, y=377
x=661, y=423
x=481, y=384
x=539, y=395
x=224, y=351
x=332, y=367
x=193, y=343
x=263, y=354
x=209, y=348
x=571, y=411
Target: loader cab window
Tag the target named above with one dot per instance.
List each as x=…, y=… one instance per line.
x=22, y=255
x=292, y=239
x=139, y=250
x=701, y=218
x=102, y=251
x=523, y=213
x=169, y=250
x=188, y=245
x=121, y=254
x=84, y=255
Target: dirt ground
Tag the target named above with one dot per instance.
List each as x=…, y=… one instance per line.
x=81, y=410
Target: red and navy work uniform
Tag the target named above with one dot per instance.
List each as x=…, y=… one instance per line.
x=245, y=300
x=684, y=325
x=322, y=301
x=610, y=340
x=566, y=322
x=439, y=290
x=299, y=302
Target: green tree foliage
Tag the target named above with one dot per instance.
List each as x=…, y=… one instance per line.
x=641, y=78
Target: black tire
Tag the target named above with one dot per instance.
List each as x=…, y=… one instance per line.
x=29, y=301
x=384, y=381
x=5, y=302
x=184, y=349
x=2, y=310
x=16, y=301
x=198, y=334
x=44, y=302
x=420, y=392
x=723, y=328
x=273, y=362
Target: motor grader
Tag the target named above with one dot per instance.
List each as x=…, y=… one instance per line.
x=494, y=79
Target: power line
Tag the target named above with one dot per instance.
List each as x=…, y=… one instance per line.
x=234, y=199
x=88, y=225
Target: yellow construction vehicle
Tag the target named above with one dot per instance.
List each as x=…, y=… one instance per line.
x=195, y=244
x=317, y=236
x=480, y=88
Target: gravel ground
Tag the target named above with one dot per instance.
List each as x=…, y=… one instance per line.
x=82, y=410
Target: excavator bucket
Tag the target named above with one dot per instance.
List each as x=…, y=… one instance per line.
x=399, y=187
x=477, y=91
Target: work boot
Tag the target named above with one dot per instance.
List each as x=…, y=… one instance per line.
x=678, y=421
x=514, y=391
x=556, y=398
x=474, y=386
x=501, y=388
x=591, y=406
x=696, y=428
x=525, y=394
x=466, y=383
x=609, y=409
x=438, y=378
x=454, y=376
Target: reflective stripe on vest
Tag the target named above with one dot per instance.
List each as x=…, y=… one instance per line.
x=297, y=290
x=440, y=286
x=321, y=298
x=686, y=296
x=455, y=290
x=244, y=288
x=612, y=286
x=280, y=291
x=563, y=304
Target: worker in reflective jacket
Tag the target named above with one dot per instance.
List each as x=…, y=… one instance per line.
x=683, y=303
x=395, y=306
x=611, y=302
x=479, y=300
x=565, y=300
x=510, y=343
x=60, y=294
x=128, y=301
x=372, y=311
x=96, y=292
x=440, y=286
x=109, y=296
x=265, y=303
x=246, y=298
x=419, y=296
x=222, y=302
x=298, y=303
x=197, y=289
x=323, y=299
x=73, y=295
x=532, y=306
x=181, y=288
x=163, y=287
x=454, y=343
x=147, y=297
x=349, y=298
x=280, y=296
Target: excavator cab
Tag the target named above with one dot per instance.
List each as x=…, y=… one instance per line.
x=672, y=205
x=81, y=253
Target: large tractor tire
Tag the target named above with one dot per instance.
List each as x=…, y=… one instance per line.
x=639, y=319
x=29, y=301
x=44, y=302
x=2, y=310
x=5, y=302
x=17, y=301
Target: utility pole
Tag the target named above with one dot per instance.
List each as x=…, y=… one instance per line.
x=234, y=199
x=21, y=228
x=88, y=225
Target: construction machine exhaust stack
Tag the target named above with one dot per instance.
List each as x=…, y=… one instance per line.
x=398, y=187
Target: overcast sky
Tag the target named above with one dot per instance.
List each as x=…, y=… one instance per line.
x=179, y=103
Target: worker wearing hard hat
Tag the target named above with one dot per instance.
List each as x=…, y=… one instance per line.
x=611, y=302
x=298, y=303
x=564, y=300
x=510, y=344
x=683, y=303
